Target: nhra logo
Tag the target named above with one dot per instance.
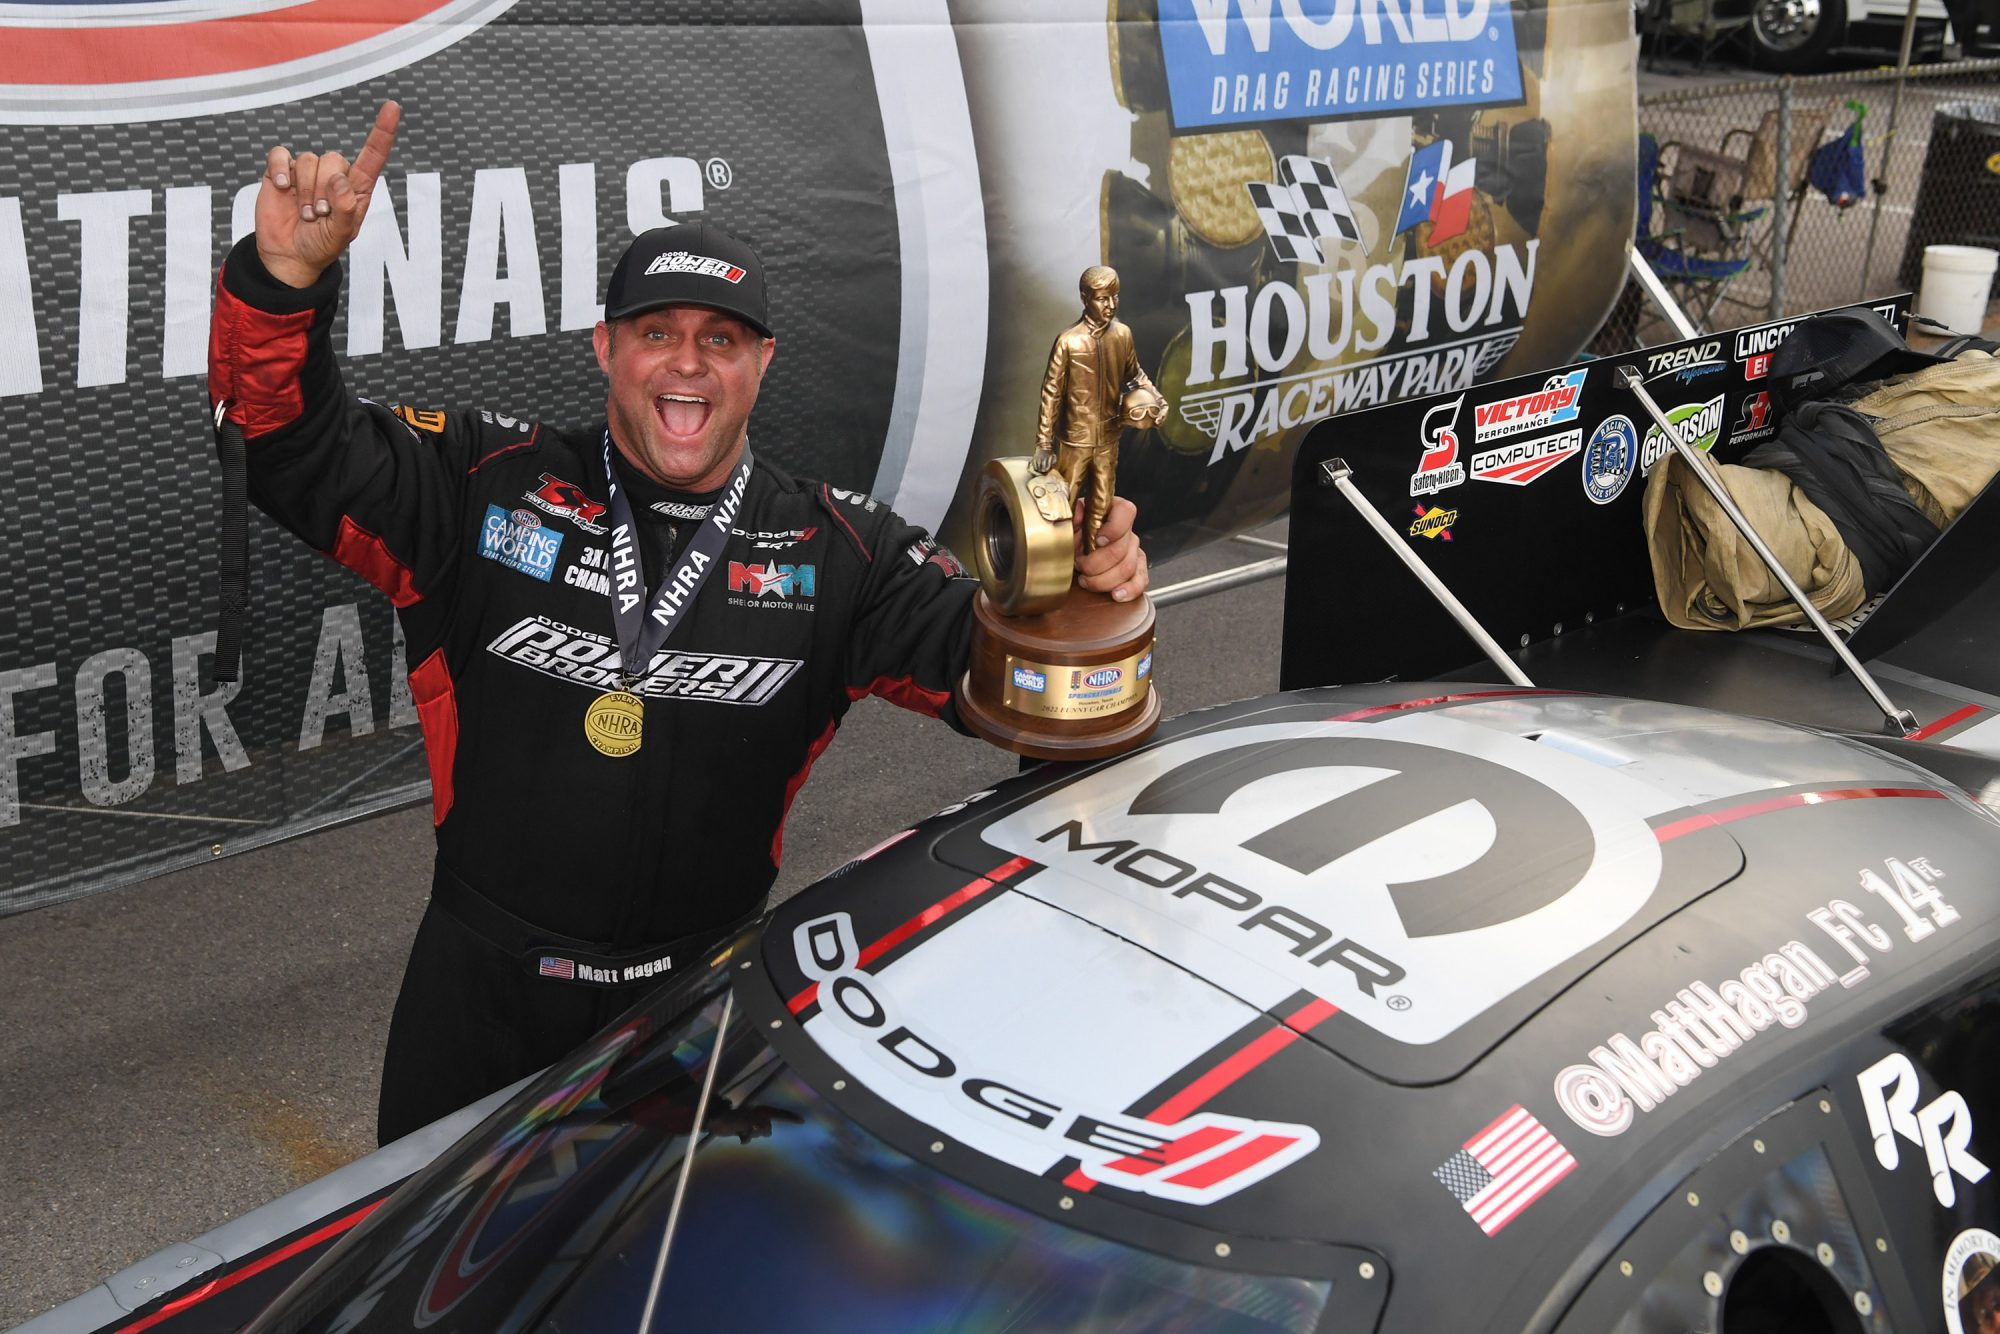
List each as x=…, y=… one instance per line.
x=96, y=63
x=1552, y=404
x=777, y=581
x=1101, y=679
x=1439, y=467
x=566, y=500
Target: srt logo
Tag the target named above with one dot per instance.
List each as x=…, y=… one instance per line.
x=1413, y=872
x=1942, y=1127
x=1756, y=411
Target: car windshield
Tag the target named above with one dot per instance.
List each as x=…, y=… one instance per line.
x=551, y=1217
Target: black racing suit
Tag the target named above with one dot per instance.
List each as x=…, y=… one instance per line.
x=490, y=536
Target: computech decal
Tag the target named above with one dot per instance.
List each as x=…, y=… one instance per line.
x=938, y=1061
x=1373, y=865
x=1438, y=467
x=99, y=62
x=1551, y=405
x=1233, y=62
x=1610, y=457
x=1464, y=317
x=1521, y=462
x=1707, y=1022
x=587, y=659
x=1699, y=425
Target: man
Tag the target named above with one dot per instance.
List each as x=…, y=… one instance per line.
x=614, y=732
x=1091, y=367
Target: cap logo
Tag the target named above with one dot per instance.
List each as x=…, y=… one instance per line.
x=682, y=261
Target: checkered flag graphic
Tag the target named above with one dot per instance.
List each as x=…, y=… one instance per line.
x=1305, y=209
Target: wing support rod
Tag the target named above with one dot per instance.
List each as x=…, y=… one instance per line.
x=1899, y=721
x=1336, y=473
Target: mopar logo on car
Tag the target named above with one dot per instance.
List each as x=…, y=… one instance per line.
x=524, y=546
x=1025, y=679
x=1236, y=61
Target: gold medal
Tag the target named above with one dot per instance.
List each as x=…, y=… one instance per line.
x=614, y=721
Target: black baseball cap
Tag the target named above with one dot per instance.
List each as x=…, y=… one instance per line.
x=689, y=264
x=1826, y=353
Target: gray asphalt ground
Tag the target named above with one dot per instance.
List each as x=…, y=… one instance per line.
x=180, y=1051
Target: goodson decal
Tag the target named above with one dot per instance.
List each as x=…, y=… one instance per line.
x=1413, y=872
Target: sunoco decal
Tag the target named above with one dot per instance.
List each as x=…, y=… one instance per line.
x=1372, y=865
x=1707, y=1022
x=1433, y=523
x=911, y=1057
x=1233, y=62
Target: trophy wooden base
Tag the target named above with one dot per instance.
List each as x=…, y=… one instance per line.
x=1070, y=684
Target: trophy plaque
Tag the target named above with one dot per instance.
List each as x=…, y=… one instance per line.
x=1060, y=672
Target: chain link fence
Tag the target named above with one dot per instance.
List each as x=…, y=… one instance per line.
x=1736, y=241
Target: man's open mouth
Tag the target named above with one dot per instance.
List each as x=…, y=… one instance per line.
x=681, y=414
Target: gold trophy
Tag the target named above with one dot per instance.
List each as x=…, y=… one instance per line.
x=1058, y=672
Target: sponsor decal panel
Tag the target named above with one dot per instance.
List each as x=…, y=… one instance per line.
x=1697, y=424
x=1610, y=458
x=1523, y=461
x=1247, y=857
x=1504, y=1168
x=518, y=541
x=1233, y=62
x=907, y=1055
x=1551, y=405
x=1433, y=523
x=1703, y=1025
x=583, y=658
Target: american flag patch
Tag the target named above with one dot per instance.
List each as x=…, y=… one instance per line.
x=1505, y=1168
x=562, y=968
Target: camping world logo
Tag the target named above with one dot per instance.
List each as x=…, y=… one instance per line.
x=115, y=61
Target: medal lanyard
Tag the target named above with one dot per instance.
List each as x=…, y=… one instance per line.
x=642, y=628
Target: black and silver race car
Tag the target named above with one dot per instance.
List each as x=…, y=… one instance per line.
x=1398, y=1007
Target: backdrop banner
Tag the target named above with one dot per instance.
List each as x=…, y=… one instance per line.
x=1315, y=207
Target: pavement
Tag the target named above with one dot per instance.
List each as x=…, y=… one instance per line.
x=180, y=1051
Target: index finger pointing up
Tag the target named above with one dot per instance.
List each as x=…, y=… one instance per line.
x=374, y=154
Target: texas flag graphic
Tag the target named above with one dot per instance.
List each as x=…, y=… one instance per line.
x=1437, y=191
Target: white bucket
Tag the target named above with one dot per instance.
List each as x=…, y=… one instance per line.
x=1956, y=281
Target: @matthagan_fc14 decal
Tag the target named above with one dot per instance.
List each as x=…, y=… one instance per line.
x=1377, y=866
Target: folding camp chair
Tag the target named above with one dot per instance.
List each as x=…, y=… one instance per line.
x=1758, y=151
x=1689, y=226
